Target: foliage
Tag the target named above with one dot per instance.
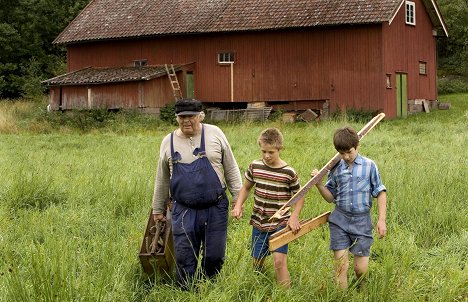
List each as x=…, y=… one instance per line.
x=453, y=51
x=32, y=116
x=452, y=84
x=276, y=115
x=167, y=113
x=75, y=205
x=354, y=115
x=27, y=55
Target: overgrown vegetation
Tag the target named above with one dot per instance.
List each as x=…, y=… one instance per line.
x=32, y=116
x=354, y=115
x=452, y=84
x=75, y=201
x=167, y=113
x=453, y=51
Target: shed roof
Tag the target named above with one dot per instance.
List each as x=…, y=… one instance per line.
x=92, y=75
x=117, y=19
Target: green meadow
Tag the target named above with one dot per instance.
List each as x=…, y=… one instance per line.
x=76, y=189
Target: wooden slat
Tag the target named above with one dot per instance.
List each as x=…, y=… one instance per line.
x=286, y=235
x=325, y=169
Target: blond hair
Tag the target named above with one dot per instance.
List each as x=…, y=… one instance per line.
x=271, y=136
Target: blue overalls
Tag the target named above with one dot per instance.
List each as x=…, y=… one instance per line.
x=199, y=215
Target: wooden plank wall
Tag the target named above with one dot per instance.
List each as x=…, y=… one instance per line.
x=404, y=47
x=272, y=66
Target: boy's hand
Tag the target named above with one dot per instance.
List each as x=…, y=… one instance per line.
x=294, y=224
x=381, y=229
x=237, y=211
x=314, y=173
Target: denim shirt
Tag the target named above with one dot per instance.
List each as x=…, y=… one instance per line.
x=354, y=188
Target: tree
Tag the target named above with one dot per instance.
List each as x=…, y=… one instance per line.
x=453, y=51
x=27, y=29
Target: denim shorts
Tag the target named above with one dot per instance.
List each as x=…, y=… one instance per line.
x=259, y=244
x=353, y=231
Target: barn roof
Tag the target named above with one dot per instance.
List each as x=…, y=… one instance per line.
x=91, y=75
x=117, y=19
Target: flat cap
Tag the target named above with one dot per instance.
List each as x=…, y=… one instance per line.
x=188, y=107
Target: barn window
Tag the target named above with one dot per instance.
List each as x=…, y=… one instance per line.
x=410, y=13
x=422, y=68
x=389, y=80
x=225, y=57
x=140, y=63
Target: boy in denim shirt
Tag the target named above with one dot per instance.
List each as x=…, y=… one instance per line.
x=351, y=184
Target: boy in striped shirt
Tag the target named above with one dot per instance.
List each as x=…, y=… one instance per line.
x=275, y=183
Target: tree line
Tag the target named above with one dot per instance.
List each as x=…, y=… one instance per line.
x=28, y=28
x=453, y=51
x=27, y=55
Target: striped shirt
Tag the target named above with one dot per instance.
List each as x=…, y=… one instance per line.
x=273, y=188
x=354, y=188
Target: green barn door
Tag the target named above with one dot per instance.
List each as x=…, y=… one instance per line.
x=401, y=97
x=189, y=87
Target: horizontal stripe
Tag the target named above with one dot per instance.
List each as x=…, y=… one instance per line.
x=273, y=188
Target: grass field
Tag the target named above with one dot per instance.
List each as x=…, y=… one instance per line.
x=75, y=192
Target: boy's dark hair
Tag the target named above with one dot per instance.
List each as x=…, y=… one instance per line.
x=271, y=136
x=345, y=138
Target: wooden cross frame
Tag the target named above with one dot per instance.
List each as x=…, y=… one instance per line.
x=314, y=180
x=286, y=235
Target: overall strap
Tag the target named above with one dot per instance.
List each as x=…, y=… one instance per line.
x=174, y=154
x=201, y=152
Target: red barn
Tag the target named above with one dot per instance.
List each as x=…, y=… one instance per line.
x=289, y=54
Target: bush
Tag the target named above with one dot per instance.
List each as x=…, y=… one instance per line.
x=82, y=119
x=451, y=84
x=167, y=113
x=354, y=115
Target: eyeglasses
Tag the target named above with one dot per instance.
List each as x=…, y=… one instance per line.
x=187, y=117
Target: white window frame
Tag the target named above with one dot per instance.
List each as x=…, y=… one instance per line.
x=422, y=68
x=388, y=82
x=227, y=57
x=410, y=13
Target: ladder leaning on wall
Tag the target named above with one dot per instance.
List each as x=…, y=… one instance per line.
x=174, y=82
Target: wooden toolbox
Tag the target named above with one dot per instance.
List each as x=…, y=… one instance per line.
x=157, y=249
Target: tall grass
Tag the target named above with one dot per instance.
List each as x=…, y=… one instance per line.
x=74, y=202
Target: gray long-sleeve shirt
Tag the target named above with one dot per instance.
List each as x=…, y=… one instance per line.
x=219, y=154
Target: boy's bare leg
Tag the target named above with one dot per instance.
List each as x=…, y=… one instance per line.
x=341, y=268
x=361, y=265
x=281, y=269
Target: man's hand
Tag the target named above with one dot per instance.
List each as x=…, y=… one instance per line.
x=158, y=217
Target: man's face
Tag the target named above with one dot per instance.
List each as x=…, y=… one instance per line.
x=189, y=124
